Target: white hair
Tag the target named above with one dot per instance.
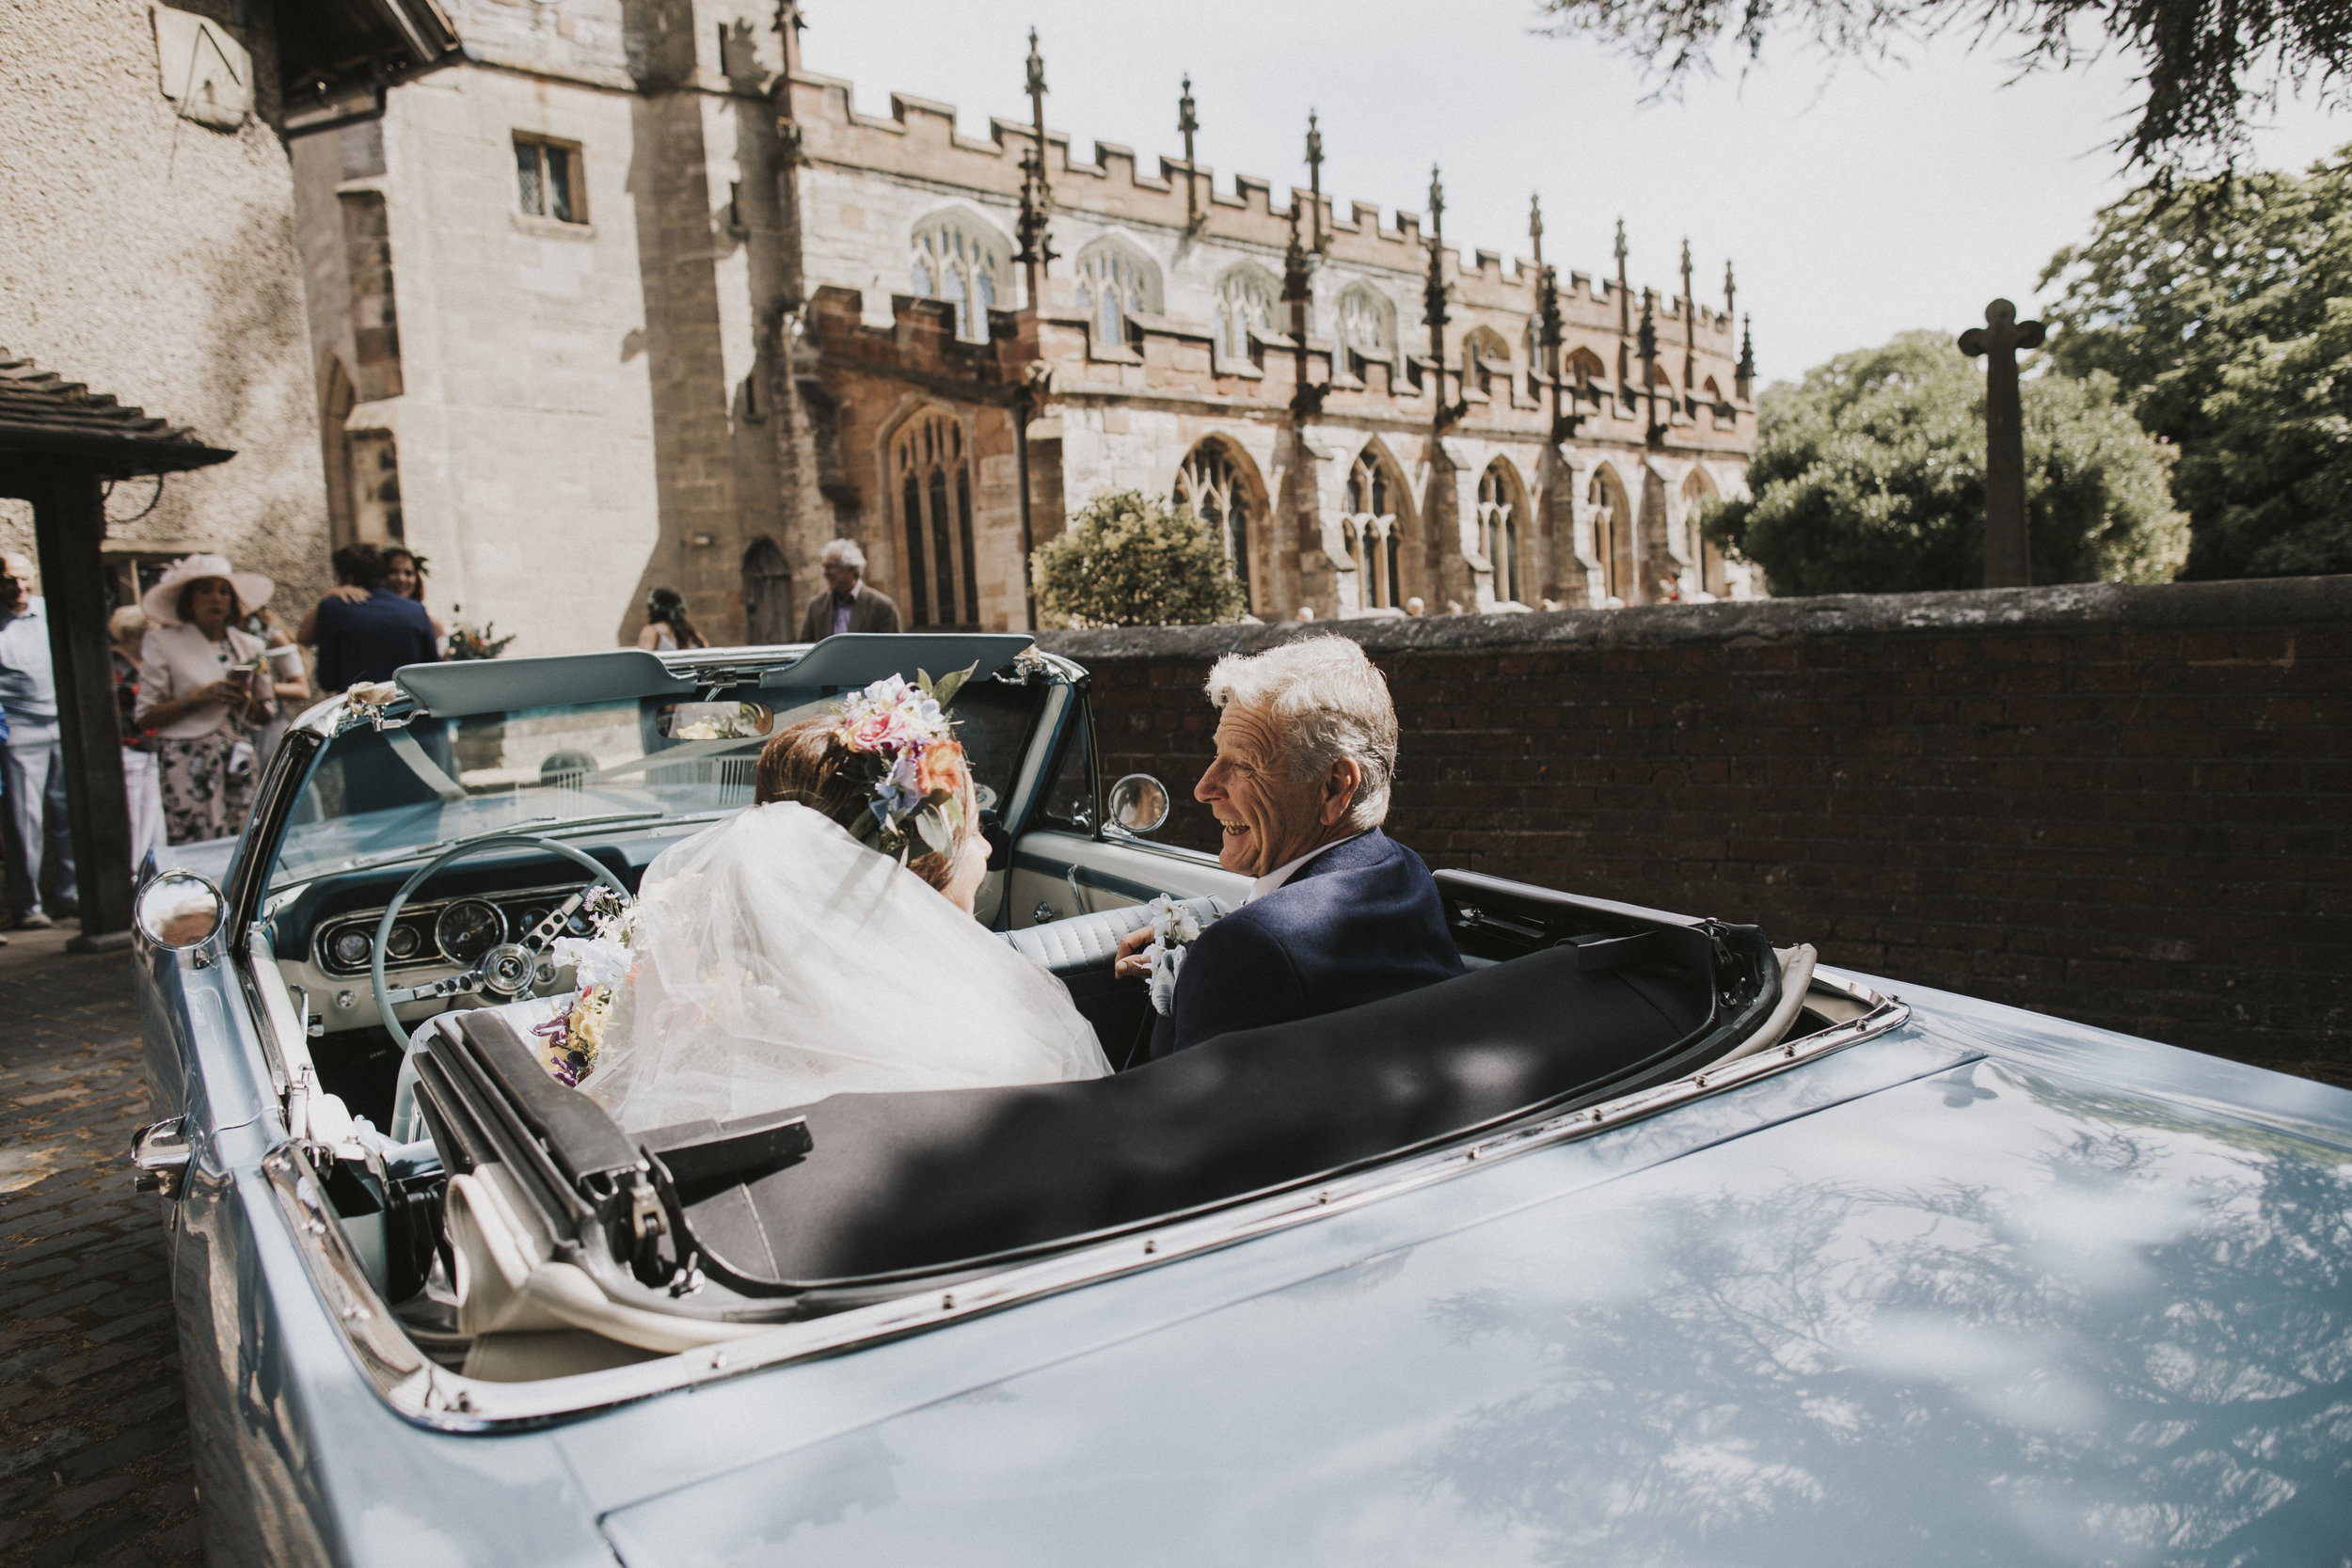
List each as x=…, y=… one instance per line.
x=844, y=552
x=127, y=623
x=1328, y=702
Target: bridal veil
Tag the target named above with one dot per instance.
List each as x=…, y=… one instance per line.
x=778, y=960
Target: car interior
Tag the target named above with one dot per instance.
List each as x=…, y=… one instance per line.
x=517, y=1232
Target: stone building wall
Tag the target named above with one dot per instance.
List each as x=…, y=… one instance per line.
x=1133, y=399
x=655, y=395
x=152, y=256
x=577, y=416
x=2129, y=806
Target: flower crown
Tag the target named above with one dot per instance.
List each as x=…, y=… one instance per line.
x=917, y=767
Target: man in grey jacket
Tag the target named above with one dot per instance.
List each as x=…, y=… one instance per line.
x=33, y=765
x=847, y=604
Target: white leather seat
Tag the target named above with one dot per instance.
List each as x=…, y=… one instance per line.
x=1092, y=941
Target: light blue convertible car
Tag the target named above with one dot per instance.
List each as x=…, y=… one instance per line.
x=1644, y=1242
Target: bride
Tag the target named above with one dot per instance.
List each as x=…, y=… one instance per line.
x=822, y=941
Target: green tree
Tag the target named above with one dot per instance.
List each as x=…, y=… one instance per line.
x=1868, y=477
x=2225, y=315
x=1132, y=560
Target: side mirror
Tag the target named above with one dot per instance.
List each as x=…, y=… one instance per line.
x=1138, y=804
x=179, y=912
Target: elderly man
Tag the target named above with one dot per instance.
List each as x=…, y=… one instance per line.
x=847, y=604
x=35, y=768
x=1338, y=914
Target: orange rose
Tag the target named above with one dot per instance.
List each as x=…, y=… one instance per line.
x=942, y=766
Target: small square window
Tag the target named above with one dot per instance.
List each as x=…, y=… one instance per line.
x=547, y=179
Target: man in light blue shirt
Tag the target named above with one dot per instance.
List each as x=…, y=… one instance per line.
x=31, y=762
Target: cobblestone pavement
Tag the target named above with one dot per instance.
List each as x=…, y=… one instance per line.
x=93, y=1432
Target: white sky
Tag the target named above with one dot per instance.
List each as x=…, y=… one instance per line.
x=1855, y=204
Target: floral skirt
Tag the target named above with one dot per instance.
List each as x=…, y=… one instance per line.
x=201, y=799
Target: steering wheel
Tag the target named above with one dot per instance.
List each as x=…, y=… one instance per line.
x=506, y=970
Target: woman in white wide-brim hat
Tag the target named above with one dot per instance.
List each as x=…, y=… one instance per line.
x=203, y=689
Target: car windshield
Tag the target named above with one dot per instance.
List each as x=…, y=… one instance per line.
x=382, y=794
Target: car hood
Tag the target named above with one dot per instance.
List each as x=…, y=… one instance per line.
x=1980, y=1310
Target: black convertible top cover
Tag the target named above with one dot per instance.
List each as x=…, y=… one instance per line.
x=922, y=1180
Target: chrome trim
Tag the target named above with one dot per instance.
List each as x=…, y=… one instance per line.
x=159, y=1156
x=327, y=930
x=432, y=1396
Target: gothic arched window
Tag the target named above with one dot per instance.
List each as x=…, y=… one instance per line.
x=1500, y=500
x=1367, y=328
x=1698, y=495
x=959, y=258
x=1115, y=281
x=1486, y=359
x=1245, y=304
x=932, y=476
x=1613, y=534
x=1582, y=366
x=1213, y=483
x=1374, y=532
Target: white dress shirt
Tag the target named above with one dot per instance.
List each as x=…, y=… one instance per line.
x=1284, y=873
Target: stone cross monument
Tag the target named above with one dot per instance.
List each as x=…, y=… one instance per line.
x=1998, y=340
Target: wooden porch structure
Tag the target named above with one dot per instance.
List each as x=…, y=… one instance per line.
x=60, y=444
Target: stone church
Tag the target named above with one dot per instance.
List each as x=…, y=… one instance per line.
x=612, y=294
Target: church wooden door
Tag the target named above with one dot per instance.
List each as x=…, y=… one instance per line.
x=767, y=594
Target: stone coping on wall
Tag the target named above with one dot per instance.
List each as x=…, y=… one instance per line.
x=2073, y=607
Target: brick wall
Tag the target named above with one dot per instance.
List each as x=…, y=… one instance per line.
x=2130, y=807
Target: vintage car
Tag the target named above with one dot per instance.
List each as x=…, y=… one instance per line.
x=1642, y=1241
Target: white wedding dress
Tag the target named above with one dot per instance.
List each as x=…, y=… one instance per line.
x=779, y=960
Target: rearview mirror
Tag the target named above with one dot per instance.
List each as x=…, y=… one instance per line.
x=1138, y=804
x=178, y=910
x=714, y=720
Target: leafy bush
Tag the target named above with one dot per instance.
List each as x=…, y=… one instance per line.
x=2225, y=314
x=1133, y=559
x=1868, y=477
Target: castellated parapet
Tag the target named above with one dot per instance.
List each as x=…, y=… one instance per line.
x=668, y=316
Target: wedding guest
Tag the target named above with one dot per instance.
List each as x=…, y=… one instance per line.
x=404, y=574
x=142, y=784
x=368, y=637
x=668, y=627
x=1306, y=612
x=31, y=762
x=1414, y=605
x=204, y=688
x=847, y=604
x=284, y=661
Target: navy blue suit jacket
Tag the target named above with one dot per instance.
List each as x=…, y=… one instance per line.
x=1359, y=922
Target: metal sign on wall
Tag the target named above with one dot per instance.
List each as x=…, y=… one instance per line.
x=204, y=70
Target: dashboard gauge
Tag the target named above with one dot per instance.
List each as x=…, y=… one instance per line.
x=531, y=920
x=350, y=946
x=469, y=929
x=404, y=942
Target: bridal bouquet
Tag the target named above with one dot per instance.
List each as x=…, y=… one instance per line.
x=1174, y=929
x=917, y=764
x=600, y=961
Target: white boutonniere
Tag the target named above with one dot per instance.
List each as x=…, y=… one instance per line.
x=1174, y=929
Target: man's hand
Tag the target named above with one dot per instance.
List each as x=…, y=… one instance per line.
x=1130, y=964
x=349, y=593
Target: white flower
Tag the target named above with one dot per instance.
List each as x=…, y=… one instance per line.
x=1172, y=924
x=595, y=960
